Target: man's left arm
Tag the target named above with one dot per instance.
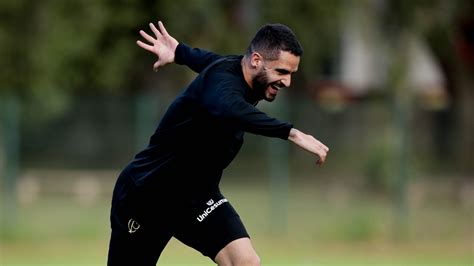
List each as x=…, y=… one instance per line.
x=309, y=144
x=224, y=101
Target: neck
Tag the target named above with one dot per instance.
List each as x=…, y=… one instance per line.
x=246, y=71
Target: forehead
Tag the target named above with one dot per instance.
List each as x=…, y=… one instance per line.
x=286, y=61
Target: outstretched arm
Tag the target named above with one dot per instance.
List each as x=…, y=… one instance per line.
x=224, y=98
x=169, y=50
x=310, y=144
x=195, y=58
x=163, y=45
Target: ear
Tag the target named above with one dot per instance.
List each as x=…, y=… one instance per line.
x=255, y=60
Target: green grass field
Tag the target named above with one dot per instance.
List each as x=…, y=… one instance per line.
x=321, y=229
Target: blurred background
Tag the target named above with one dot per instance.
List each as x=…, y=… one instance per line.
x=386, y=84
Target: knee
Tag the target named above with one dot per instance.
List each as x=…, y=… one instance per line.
x=238, y=253
x=249, y=260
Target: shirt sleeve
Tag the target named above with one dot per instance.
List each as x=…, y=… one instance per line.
x=195, y=58
x=224, y=99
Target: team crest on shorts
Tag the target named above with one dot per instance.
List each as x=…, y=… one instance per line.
x=133, y=226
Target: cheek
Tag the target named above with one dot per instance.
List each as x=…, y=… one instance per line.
x=262, y=78
x=272, y=78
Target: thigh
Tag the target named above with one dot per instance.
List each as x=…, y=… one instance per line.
x=136, y=238
x=137, y=248
x=209, y=225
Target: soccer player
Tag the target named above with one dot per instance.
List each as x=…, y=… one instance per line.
x=171, y=188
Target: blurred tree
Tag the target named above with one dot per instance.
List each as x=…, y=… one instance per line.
x=54, y=52
x=54, y=49
x=317, y=25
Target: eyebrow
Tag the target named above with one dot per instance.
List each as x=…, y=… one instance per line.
x=282, y=71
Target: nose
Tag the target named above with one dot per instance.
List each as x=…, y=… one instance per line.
x=286, y=81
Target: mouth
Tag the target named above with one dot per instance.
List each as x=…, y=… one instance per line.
x=274, y=88
x=277, y=87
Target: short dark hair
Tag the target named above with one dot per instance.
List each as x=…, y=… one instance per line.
x=273, y=38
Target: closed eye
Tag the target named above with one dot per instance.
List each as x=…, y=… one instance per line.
x=282, y=71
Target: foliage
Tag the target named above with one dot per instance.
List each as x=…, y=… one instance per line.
x=55, y=52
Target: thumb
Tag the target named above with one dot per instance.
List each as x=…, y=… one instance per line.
x=156, y=65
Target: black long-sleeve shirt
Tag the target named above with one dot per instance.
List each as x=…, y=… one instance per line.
x=202, y=131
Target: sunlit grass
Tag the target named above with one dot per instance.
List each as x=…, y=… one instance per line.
x=321, y=229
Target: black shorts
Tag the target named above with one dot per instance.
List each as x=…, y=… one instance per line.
x=143, y=222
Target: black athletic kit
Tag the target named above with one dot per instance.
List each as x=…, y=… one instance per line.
x=171, y=188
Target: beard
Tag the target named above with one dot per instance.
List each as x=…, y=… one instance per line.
x=260, y=84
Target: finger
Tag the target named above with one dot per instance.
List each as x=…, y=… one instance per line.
x=321, y=150
x=155, y=31
x=145, y=46
x=147, y=37
x=322, y=158
x=162, y=28
x=323, y=147
x=320, y=162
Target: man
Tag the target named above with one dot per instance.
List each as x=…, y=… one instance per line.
x=171, y=189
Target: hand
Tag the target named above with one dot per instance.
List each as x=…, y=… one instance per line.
x=163, y=45
x=309, y=143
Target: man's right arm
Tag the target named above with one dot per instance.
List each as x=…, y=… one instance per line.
x=169, y=50
x=195, y=58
